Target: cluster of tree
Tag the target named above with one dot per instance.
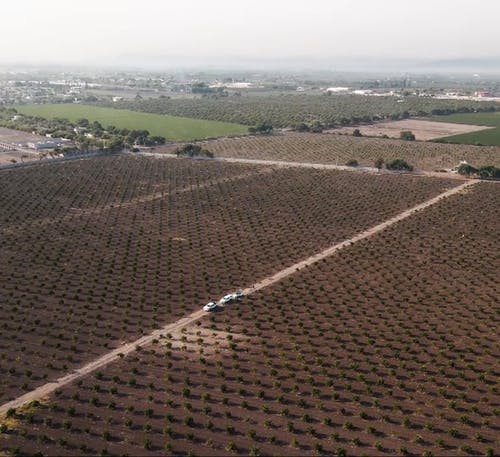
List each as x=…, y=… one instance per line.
x=85, y=134
x=465, y=109
x=200, y=88
x=265, y=128
x=486, y=172
x=205, y=90
x=399, y=116
x=193, y=150
x=396, y=165
x=407, y=135
x=313, y=127
x=399, y=165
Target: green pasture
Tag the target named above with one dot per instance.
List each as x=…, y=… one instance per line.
x=490, y=137
x=173, y=128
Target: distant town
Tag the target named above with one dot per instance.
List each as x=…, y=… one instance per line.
x=51, y=86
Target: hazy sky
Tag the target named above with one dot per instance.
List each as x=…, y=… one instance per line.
x=96, y=31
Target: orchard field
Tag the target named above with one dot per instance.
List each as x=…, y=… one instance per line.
x=339, y=149
x=290, y=110
x=98, y=252
x=388, y=348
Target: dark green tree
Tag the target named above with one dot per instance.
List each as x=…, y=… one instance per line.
x=407, y=135
x=379, y=163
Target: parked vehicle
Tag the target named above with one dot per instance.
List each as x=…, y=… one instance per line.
x=238, y=294
x=226, y=299
x=210, y=306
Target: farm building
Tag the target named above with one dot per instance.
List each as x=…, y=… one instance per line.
x=49, y=144
x=6, y=146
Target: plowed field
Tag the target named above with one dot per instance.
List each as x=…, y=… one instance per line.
x=98, y=252
x=388, y=348
x=339, y=149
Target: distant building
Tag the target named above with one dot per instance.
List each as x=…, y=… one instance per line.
x=49, y=144
x=6, y=146
x=337, y=90
x=42, y=145
x=231, y=85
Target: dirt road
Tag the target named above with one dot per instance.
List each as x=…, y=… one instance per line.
x=360, y=236
x=320, y=166
x=125, y=349
x=106, y=359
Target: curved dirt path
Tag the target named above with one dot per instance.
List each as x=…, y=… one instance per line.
x=328, y=166
x=319, y=166
x=127, y=348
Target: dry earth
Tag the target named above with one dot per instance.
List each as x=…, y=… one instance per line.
x=423, y=130
x=171, y=328
x=10, y=157
x=198, y=340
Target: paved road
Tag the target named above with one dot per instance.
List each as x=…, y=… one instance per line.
x=125, y=349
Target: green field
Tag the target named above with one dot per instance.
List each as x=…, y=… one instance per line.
x=490, y=137
x=173, y=128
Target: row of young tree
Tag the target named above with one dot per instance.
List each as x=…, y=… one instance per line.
x=85, y=134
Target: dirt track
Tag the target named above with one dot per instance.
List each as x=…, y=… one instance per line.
x=322, y=166
x=360, y=236
x=115, y=354
x=127, y=348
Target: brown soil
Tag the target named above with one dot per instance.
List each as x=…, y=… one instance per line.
x=10, y=157
x=339, y=149
x=389, y=347
x=177, y=330
x=74, y=290
x=423, y=130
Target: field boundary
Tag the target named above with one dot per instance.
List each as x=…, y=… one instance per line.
x=317, y=166
x=123, y=350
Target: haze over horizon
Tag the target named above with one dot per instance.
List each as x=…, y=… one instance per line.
x=320, y=33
